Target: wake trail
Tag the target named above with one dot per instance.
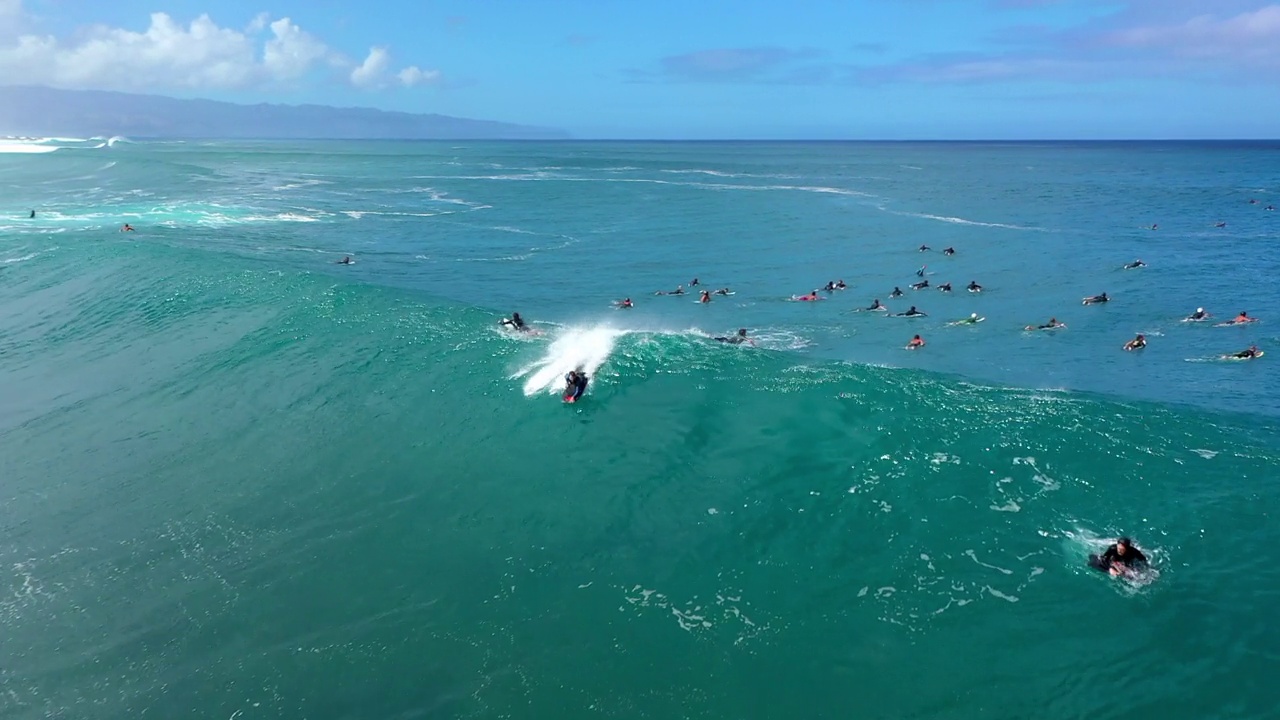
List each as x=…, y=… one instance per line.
x=576, y=348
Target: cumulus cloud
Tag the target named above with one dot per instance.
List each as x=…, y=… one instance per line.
x=1248, y=36
x=200, y=55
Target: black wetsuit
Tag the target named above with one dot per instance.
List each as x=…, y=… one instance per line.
x=1132, y=557
x=734, y=340
x=921, y=285
x=896, y=293
x=575, y=385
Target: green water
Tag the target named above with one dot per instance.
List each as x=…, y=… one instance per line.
x=239, y=486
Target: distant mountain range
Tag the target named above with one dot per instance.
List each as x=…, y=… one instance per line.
x=42, y=111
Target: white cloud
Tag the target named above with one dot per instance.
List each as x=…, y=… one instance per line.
x=1249, y=35
x=372, y=72
x=414, y=75
x=199, y=56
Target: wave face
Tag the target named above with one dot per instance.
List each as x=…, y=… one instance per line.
x=244, y=479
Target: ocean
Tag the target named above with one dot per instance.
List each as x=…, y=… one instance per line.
x=239, y=479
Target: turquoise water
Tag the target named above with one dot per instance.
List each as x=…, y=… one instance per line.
x=239, y=479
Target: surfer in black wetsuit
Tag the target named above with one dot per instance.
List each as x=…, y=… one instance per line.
x=1220, y=225
x=920, y=272
x=830, y=286
x=1248, y=354
x=1198, y=315
x=897, y=292
x=1096, y=299
x=974, y=286
x=924, y=248
x=1053, y=324
x=949, y=251
x=32, y=216
x=945, y=287
x=920, y=285
x=1122, y=557
x=1135, y=265
x=840, y=285
x=875, y=305
x=738, y=339
x=1137, y=343
x=722, y=291
x=346, y=261
x=515, y=322
x=575, y=383
x=913, y=312
x=678, y=291
x=694, y=283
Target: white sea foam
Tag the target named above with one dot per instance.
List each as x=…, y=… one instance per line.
x=576, y=348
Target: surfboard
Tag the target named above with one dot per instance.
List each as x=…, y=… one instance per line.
x=966, y=321
x=1034, y=328
x=570, y=399
x=1232, y=323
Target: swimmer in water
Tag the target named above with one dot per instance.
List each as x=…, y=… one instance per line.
x=973, y=319
x=706, y=297
x=738, y=339
x=1252, y=201
x=840, y=285
x=722, y=291
x=1197, y=316
x=924, y=248
x=1137, y=343
x=346, y=261
x=876, y=306
x=916, y=343
x=1269, y=207
x=949, y=251
x=32, y=215
x=830, y=286
x=1154, y=227
x=1249, y=354
x=1220, y=225
x=945, y=287
x=126, y=228
x=920, y=285
x=515, y=322
x=694, y=283
x=1122, y=558
x=1053, y=324
x=897, y=292
x=623, y=304
x=913, y=312
x=1095, y=300
x=974, y=286
x=1135, y=265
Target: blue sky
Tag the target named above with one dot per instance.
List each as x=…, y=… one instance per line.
x=934, y=69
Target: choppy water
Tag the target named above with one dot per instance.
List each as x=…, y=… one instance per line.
x=239, y=478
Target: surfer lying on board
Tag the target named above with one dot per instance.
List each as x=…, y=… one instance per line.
x=1248, y=354
x=920, y=285
x=973, y=319
x=876, y=305
x=1241, y=319
x=945, y=287
x=949, y=251
x=1122, y=558
x=830, y=286
x=924, y=248
x=515, y=322
x=1053, y=324
x=126, y=228
x=811, y=297
x=738, y=339
x=974, y=286
x=575, y=383
x=913, y=312
x=623, y=304
x=916, y=343
x=723, y=291
x=693, y=283
x=840, y=285
x=1197, y=316
x=678, y=291
x=1095, y=300
x=897, y=292
x=1137, y=343
x=346, y=261
x=1135, y=265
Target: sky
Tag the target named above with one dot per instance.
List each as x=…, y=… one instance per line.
x=692, y=69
